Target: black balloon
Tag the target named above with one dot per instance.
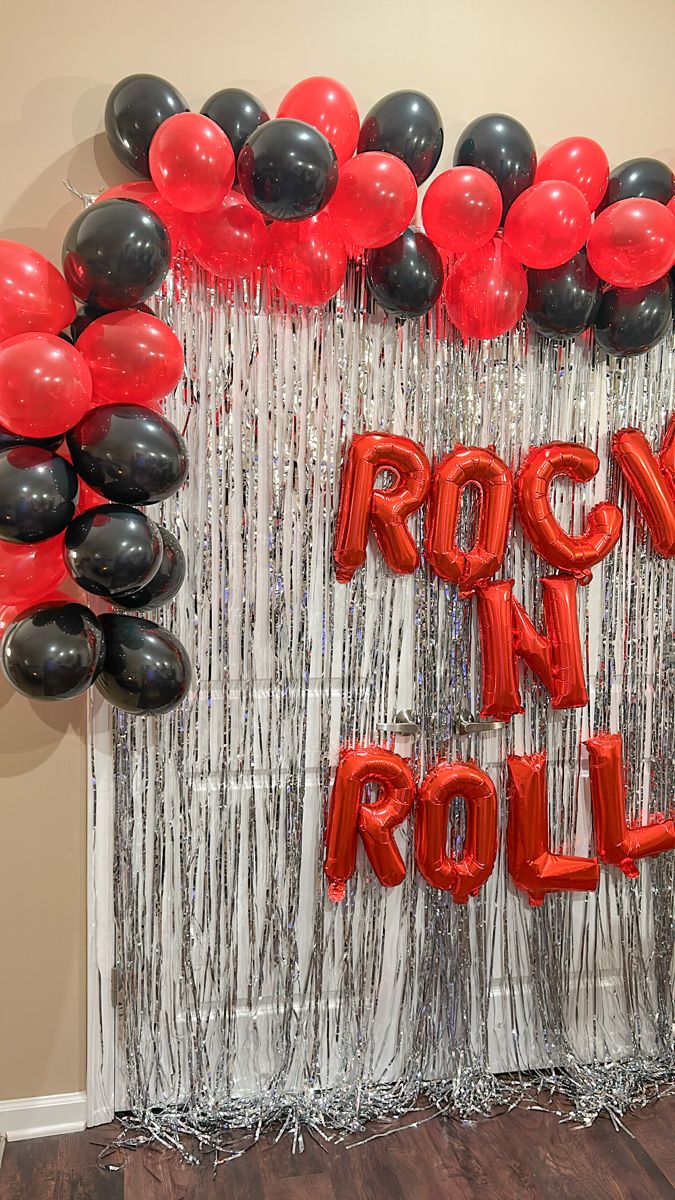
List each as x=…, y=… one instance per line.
x=501, y=146
x=631, y=320
x=146, y=669
x=563, y=301
x=406, y=124
x=287, y=169
x=645, y=177
x=38, y=494
x=53, y=651
x=116, y=254
x=128, y=453
x=134, y=111
x=165, y=584
x=7, y=439
x=406, y=276
x=112, y=549
x=237, y=113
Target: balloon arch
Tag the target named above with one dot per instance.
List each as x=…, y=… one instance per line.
x=281, y=206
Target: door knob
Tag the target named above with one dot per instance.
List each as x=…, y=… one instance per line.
x=404, y=724
x=466, y=725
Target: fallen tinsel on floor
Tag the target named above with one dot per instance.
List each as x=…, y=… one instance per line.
x=223, y=1133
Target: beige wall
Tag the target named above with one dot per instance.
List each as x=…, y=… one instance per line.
x=597, y=67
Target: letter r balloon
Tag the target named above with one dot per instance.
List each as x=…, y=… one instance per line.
x=384, y=510
x=350, y=816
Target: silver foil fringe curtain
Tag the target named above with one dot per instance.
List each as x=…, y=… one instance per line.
x=246, y=995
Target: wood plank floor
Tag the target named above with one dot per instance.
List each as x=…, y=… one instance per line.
x=522, y=1155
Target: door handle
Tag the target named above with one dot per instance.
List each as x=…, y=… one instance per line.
x=466, y=725
x=404, y=724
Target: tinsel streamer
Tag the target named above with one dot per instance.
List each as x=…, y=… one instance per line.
x=247, y=997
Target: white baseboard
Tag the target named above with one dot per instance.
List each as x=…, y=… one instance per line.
x=43, y=1116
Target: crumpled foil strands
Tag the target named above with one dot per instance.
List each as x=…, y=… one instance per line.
x=246, y=996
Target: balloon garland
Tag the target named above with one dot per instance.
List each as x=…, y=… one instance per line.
x=299, y=193
x=81, y=446
x=83, y=443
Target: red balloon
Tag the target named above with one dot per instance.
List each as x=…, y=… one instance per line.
x=486, y=291
x=307, y=260
x=671, y=205
x=616, y=844
x=632, y=242
x=574, y=554
x=145, y=193
x=492, y=479
x=45, y=385
x=462, y=209
x=577, y=160
x=348, y=816
x=464, y=876
x=547, y=224
x=375, y=199
x=507, y=634
x=532, y=866
x=229, y=240
x=191, y=162
x=651, y=478
x=385, y=510
x=28, y=573
x=34, y=296
x=134, y=358
x=328, y=106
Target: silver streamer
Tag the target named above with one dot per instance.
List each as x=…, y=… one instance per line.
x=247, y=997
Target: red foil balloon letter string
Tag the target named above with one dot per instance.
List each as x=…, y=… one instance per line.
x=575, y=554
x=532, y=866
x=362, y=505
x=507, y=634
x=463, y=466
x=463, y=876
x=349, y=816
x=652, y=482
x=615, y=842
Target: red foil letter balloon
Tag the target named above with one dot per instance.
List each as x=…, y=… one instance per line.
x=615, y=842
x=575, y=554
x=464, y=466
x=532, y=865
x=507, y=634
x=464, y=876
x=349, y=816
x=652, y=481
x=363, y=506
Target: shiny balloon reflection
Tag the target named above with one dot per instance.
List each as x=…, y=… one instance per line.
x=53, y=651
x=38, y=494
x=135, y=109
x=287, y=170
x=116, y=254
x=408, y=125
x=146, y=669
x=501, y=146
x=129, y=454
x=112, y=548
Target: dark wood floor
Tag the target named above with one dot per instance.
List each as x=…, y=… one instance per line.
x=523, y=1154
